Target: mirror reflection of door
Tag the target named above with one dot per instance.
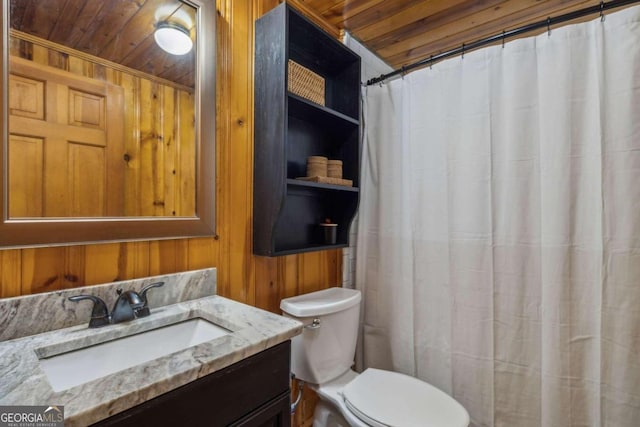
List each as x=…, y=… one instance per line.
x=101, y=119
x=64, y=161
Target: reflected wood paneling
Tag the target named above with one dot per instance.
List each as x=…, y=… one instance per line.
x=405, y=31
x=120, y=31
x=156, y=158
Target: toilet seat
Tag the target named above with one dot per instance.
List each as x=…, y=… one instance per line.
x=389, y=399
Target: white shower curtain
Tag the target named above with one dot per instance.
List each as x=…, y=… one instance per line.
x=499, y=232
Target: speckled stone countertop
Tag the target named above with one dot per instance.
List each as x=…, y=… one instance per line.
x=25, y=383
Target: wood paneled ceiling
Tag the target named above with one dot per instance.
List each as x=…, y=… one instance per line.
x=405, y=31
x=119, y=31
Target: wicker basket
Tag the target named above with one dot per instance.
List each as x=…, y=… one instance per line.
x=305, y=83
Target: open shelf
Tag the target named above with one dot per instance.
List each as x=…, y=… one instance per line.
x=322, y=186
x=304, y=209
x=313, y=131
x=311, y=47
x=310, y=248
x=303, y=108
x=289, y=128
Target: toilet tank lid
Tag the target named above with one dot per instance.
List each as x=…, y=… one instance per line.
x=326, y=301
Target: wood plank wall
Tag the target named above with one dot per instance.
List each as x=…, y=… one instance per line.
x=258, y=281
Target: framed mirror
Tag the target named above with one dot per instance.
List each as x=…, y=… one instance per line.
x=108, y=112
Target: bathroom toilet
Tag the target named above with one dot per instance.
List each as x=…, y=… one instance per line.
x=322, y=357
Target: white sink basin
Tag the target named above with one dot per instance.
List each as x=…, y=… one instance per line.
x=81, y=366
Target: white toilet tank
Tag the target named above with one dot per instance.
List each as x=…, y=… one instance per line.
x=326, y=348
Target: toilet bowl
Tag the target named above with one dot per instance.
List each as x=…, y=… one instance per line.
x=322, y=356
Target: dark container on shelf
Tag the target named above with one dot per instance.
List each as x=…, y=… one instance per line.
x=328, y=233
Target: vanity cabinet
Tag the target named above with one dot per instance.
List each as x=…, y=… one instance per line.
x=252, y=392
x=289, y=128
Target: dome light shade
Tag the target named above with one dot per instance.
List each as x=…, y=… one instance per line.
x=173, y=38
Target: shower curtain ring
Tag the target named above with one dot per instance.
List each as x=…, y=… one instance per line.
x=601, y=11
x=431, y=63
x=402, y=72
x=462, y=50
x=503, y=37
x=549, y=26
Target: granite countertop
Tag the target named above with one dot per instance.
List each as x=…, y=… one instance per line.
x=25, y=383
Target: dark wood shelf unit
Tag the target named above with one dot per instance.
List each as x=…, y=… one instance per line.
x=290, y=128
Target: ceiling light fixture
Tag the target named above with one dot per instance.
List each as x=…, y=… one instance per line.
x=173, y=38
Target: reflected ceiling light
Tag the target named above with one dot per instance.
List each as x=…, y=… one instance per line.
x=173, y=38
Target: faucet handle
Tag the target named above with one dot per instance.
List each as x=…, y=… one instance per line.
x=144, y=290
x=99, y=313
x=144, y=310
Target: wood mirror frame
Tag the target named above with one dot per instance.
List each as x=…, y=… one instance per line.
x=64, y=231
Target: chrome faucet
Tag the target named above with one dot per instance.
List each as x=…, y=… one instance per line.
x=129, y=305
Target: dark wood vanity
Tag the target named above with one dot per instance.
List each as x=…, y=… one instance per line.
x=252, y=392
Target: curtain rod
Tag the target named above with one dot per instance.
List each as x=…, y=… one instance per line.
x=547, y=23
